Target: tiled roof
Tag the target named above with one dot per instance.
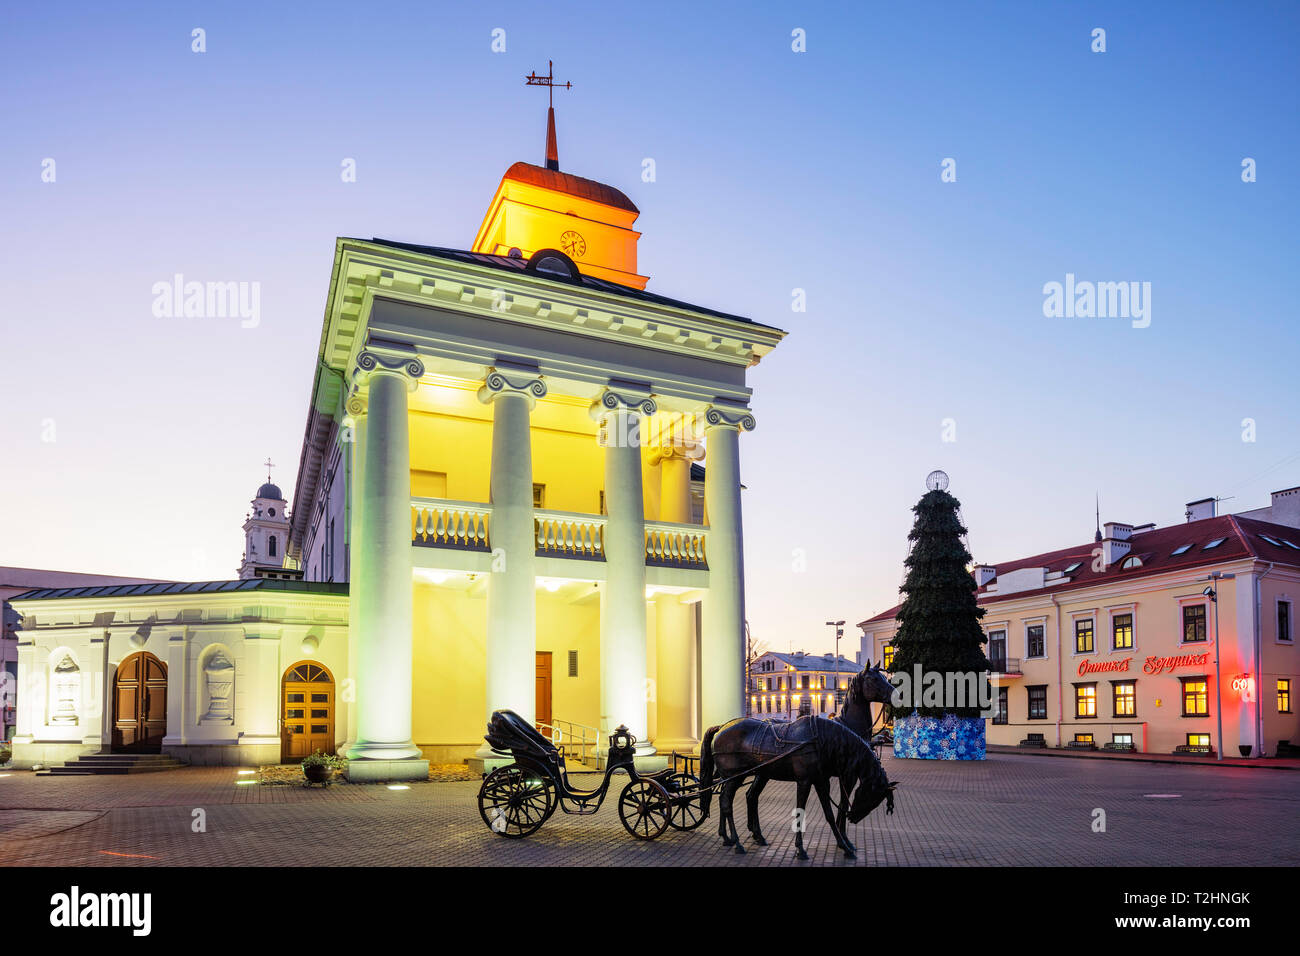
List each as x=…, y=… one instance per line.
x=814, y=662
x=568, y=183
x=509, y=264
x=1241, y=538
x=183, y=587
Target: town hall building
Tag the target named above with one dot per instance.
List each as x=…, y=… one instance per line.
x=519, y=487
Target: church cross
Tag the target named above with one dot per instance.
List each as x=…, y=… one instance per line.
x=269, y=466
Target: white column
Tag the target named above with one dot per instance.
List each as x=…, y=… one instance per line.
x=511, y=589
x=179, y=707
x=674, y=621
x=722, y=651
x=623, y=698
x=353, y=439
x=382, y=572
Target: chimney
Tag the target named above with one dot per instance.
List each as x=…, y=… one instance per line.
x=1200, y=510
x=1115, y=541
x=984, y=573
x=1285, y=507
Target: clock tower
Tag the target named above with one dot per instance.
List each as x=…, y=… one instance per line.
x=541, y=207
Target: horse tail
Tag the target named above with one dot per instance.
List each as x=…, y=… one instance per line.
x=706, y=770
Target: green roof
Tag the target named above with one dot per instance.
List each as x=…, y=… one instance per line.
x=184, y=587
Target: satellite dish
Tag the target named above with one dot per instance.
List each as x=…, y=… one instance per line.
x=937, y=481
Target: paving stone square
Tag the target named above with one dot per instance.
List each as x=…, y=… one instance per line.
x=1010, y=810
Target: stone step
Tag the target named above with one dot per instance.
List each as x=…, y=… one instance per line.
x=112, y=765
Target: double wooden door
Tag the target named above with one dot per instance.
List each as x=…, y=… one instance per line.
x=306, y=711
x=139, y=704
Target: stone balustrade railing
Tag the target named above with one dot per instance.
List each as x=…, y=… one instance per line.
x=566, y=534
x=675, y=545
x=439, y=523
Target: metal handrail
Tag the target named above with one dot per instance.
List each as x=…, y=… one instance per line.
x=568, y=736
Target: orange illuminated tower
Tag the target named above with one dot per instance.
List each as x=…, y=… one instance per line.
x=540, y=207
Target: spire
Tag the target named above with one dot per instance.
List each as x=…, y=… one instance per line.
x=552, y=150
x=548, y=81
x=1097, y=537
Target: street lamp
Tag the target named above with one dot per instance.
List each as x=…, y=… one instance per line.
x=839, y=632
x=1212, y=593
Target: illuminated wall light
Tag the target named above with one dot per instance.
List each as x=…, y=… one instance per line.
x=246, y=772
x=438, y=577
x=398, y=786
x=245, y=783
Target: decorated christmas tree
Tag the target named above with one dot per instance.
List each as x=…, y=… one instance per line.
x=939, y=643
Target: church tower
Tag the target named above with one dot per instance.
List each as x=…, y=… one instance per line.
x=266, y=531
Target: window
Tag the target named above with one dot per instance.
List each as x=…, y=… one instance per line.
x=1132, y=561
x=998, y=651
x=1198, y=740
x=539, y=495
x=1214, y=544
x=1124, y=740
x=1121, y=626
x=1181, y=549
x=1284, y=695
x=1000, y=716
x=1083, y=636
x=1193, y=623
x=1284, y=620
x=1085, y=700
x=1037, y=702
x=1083, y=739
x=803, y=682
x=889, y=657
x=1196, y=697
x=1035, y=646
x=1272, y=541
x=1073, y=567
x=1124, y=698
x=271, y=545
x=602, y=510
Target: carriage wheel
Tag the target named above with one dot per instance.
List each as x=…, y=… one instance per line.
x=644, y=808
x=686, y=814
x=514, y=802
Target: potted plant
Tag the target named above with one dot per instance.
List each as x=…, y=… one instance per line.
x=5, y=754
x=319, y=767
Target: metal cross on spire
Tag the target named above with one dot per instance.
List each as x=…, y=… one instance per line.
x=269, y=466
x=548, y=81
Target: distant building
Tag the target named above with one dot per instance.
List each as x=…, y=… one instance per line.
x=792, y=685
x=1113, y=641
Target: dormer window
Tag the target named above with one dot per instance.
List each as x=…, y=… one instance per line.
x=1214, y=544
x=1132, y=561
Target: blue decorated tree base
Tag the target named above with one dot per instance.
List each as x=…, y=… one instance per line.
x=939, y=738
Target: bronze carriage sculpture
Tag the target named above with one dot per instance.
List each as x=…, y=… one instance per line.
x=515, y=800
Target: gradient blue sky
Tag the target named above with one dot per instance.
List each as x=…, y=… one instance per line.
x=776, y=170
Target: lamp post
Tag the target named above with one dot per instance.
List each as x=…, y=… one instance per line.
x=1212, y=593
x=839, y=632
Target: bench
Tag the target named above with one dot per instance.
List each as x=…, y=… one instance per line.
x=1080, y=745
x=1287, y=749
x=1113, y=747
x=1033, y=740
x=1183, y=750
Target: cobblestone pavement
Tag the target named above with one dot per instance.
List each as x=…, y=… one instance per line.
x=1008, y=810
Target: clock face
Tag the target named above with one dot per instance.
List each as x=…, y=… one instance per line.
x=573, y=245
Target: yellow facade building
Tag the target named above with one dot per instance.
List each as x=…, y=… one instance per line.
x=1114, y=644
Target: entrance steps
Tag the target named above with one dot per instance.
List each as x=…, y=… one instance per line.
x=112, y=764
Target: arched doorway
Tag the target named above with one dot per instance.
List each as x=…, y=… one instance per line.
x=139, y=705
x=306, y=711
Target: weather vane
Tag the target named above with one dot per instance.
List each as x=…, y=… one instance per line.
x=548, y=81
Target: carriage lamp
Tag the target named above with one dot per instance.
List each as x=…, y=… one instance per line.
x=621, y=739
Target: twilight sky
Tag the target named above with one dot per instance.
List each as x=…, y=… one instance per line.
x=132, y=442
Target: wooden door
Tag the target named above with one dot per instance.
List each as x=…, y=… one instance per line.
x=306, y=711
x=139, y=704
x=543, y=687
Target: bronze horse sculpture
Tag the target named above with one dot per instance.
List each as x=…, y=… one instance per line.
x=808, y=751
x=868, y=686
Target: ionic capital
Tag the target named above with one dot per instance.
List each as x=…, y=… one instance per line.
x=500, y=382
x=729, y=416
x=370, y=364
x=626, y=401
x=678, y=450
